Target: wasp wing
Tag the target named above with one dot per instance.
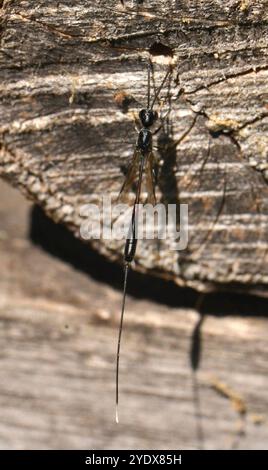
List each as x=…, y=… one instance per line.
x=150, y=178
x=130, y=176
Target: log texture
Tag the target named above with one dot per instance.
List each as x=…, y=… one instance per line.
x=57, y=363
x=65, y=139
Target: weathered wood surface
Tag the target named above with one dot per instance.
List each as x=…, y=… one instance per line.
x=64, y=139
x=58, y=339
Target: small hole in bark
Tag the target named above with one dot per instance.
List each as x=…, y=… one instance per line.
x=157, y=48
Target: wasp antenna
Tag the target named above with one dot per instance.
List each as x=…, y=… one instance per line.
x=161, y=86
x=149, y=83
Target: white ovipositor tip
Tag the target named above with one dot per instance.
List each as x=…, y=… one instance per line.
x=116, y=415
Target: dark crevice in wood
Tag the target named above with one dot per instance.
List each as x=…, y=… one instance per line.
x=158, y=48
x=57, y=240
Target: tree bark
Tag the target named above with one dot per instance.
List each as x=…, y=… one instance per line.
x=66, y=135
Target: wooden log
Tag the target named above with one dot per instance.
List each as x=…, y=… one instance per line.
x=65, y=139
x=186, y=381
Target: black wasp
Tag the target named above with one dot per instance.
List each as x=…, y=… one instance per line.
x=143, y=163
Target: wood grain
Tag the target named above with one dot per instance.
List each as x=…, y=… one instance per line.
x=58, y=341
x=64, y=140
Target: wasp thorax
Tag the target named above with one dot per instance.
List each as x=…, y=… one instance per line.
x=148, y=117
x=145, y=140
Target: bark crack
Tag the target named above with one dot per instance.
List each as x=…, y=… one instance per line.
x=227, y=77
x=44, y=25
